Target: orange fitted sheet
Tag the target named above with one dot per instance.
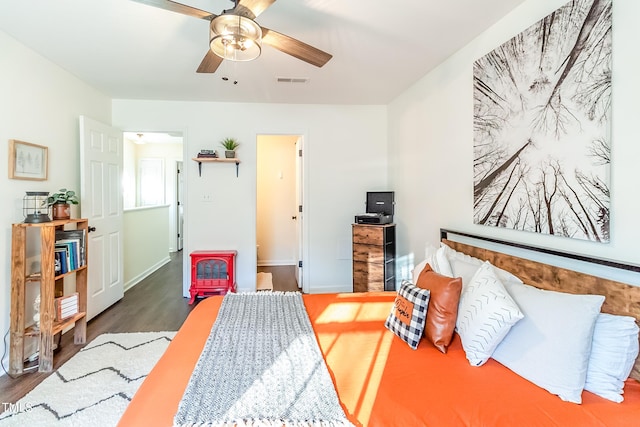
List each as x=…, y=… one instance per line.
x=382, y=382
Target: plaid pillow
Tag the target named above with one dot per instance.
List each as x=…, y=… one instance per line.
x=408, y=314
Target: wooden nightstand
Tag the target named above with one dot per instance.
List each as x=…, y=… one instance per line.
x=374, y=257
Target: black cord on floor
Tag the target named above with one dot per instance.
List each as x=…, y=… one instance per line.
x=4, y=353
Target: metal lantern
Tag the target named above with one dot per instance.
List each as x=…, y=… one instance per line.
x=34, y=207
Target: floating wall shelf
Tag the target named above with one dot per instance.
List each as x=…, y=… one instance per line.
x=202, y=160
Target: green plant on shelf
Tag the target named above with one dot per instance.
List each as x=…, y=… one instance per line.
x=63, y=196
x=230, y=144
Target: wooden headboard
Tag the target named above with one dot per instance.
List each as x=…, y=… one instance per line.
x=620, y=298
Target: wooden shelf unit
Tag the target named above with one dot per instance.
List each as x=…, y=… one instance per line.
x=202, y=160
x=374, y=253
x=51, y=285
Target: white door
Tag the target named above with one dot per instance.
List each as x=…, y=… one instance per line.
x=299, y=210
x=101, y=203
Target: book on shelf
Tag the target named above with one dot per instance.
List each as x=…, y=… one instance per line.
x=73, y=250
x=77, y=238
x=210, y=154
x=65, y=256
x=66, y=306
x=61, y=261
x=57, y=259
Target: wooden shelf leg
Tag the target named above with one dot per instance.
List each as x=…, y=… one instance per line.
x=80, y=328
x=16, y=354
x=18, y=273
x=47, y=310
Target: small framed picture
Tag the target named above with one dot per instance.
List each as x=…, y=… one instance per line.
x=27, y=160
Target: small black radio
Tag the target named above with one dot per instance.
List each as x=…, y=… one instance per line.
x=380, y=208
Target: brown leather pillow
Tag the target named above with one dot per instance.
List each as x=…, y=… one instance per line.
x=443, y=306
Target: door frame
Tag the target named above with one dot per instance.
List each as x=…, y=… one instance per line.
x=180, y=181
x=299, y=158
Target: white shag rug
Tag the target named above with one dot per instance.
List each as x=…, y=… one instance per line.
x=264, y=282
x=95, y=386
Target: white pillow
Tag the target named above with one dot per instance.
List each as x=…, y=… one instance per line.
x=465, y=266
x=486, y=313
x=438, y=261
x=551, y=345
x=444, y=266
x=465, y=269
x=613, y=352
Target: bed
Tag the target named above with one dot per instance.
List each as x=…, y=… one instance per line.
x=381, y=381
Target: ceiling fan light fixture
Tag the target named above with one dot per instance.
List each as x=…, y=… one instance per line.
x=235, y=37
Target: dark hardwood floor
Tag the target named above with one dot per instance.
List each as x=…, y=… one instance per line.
x=284, y=277
x=155, y=304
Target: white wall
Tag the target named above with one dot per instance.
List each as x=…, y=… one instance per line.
x=276, y=199
x=431, y=144
x=39, y=103
x=146, y=242
x=345, y=156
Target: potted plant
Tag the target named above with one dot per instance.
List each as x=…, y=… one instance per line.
x=60, y=203
x=230, y=145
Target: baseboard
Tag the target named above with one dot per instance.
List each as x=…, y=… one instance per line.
x=331, y=289
x=140, y=277
x=275, y=263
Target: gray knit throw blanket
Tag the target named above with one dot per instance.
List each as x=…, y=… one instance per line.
x=261, y=366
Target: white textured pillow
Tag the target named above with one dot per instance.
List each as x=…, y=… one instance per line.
x=551, y=345
x=613, y=352
x=465, y=266
x=438, y=261
x=486, y=313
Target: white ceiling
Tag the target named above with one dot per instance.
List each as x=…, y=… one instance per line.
x=129, y=50
x=154, y=137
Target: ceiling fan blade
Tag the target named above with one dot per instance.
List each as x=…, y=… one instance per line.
x=295, y=48
x=210, y=63
x=256, y=7
x=179, y=8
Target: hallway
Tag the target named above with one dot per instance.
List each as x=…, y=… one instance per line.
x=284, y=277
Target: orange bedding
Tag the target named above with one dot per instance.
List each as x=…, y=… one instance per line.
x=382, y=382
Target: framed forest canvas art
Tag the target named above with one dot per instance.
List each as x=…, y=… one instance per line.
x=542, y=104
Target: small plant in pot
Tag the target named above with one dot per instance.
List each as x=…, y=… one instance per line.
x=230, y=145
x=61, y=202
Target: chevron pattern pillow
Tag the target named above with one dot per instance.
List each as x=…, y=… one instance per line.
x=409, y=313
x=486, y=313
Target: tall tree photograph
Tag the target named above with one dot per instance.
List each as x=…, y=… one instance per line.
x=542, y=107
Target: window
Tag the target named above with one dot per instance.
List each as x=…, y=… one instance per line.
x=151, y=181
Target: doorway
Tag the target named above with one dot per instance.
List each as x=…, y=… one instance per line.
x=152, y=161
x=279, y=211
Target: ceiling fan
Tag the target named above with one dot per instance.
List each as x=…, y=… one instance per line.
x=236, y=36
